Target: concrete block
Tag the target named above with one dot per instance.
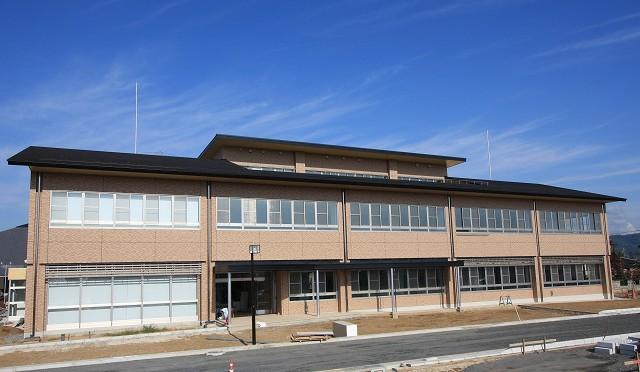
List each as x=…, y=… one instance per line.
x=628, y=349
x=608, y=344
x=603, y=350
x=344, y=329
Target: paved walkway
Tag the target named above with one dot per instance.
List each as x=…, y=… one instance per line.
x=352, y=353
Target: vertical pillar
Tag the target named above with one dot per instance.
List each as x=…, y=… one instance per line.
x=392, y=166
x=300, y=162
x=210, y=278
x=229, y=295
x=607, y=260
x=317, y=288
x=538, y=270
x=394, y=304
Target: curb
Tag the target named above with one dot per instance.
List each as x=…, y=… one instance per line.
x=483, y=354
x=632, y=310
x=275, y=345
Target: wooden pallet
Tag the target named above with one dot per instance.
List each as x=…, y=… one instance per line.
x=318, y=338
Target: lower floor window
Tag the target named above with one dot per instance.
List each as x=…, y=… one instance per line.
x=371, y=283
x=571, y=274
x=120, y=301
x=302, y=285
x=495, y=278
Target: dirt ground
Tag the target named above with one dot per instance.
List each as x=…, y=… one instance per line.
x=371, y=324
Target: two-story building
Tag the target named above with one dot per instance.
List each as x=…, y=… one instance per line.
x=120, y=239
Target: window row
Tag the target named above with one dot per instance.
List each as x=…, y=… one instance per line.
x=572, y=274
x=495, y=277
x=276, y=214
x=374, y=216
x=346, y=174
x=493, y=220
x=302, y=285
x=272, y=169
x=92, y=209
x=114, y=301
x=570, y=222
x=374, y=283
x=420, y=179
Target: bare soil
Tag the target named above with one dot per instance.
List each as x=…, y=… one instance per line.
x=371, y=324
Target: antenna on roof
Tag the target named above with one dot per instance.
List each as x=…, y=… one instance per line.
x=135, y=135
x=489, y=155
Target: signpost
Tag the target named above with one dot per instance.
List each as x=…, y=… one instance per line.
x=253, y=249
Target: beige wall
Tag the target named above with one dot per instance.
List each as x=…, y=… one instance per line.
x=494, y=244
x=104, y=245
x=552, y=244
x=346, y=164
x=396, y=244
x=257, y=157
x=278, y=245
x=84, y=245
x=421, y=170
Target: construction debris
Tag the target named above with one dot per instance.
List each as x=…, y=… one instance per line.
x=295, y=338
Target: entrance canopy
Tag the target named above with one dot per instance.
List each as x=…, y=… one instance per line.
x=274, y=265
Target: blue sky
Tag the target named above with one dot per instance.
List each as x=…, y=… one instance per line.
x=556, y=83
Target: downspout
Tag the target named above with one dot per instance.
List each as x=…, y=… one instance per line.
x=36, y=246
x=210, y=279
x=345, y=246
x=538, y=261
x=605, y=229
x=344, y=227
x=454, y=270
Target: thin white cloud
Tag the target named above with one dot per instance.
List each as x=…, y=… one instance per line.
x=602, y=41
x=611, y=21
x=156, y=13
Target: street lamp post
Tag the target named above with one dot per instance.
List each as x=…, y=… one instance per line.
x=253, y=249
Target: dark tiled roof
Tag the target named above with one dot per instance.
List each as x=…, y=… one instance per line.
x=224, y=139
x=13, y=246
x=127, y=162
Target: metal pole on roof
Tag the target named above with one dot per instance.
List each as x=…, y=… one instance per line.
x=135, y=135
x=489, y=155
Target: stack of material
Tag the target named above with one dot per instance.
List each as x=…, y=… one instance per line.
x=605, y=347
x=311, y=336
x=630, y=347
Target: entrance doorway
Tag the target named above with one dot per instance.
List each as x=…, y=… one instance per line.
x=241, y=292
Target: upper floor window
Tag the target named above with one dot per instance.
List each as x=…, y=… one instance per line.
x=396, y=217
x=420, y=179
x=572, y=274
x=493, y=220
x=276, y=214
x=570, y=222
x=271, y=169
x=346, y=174
x=104, y=209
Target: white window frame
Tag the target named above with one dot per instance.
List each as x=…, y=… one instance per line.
x=389, y=210
x=247, y=219
x=114, y=223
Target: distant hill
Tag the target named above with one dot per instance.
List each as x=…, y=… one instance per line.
x=629, y=242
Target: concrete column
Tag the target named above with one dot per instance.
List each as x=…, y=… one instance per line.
x=607, y=260
x=450, y=287
x=341, y=278
x=392, y=166
x=229, y=302
x=300, y=162
x=538, y=270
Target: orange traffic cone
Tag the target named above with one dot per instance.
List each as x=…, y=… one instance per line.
x=232, y=366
